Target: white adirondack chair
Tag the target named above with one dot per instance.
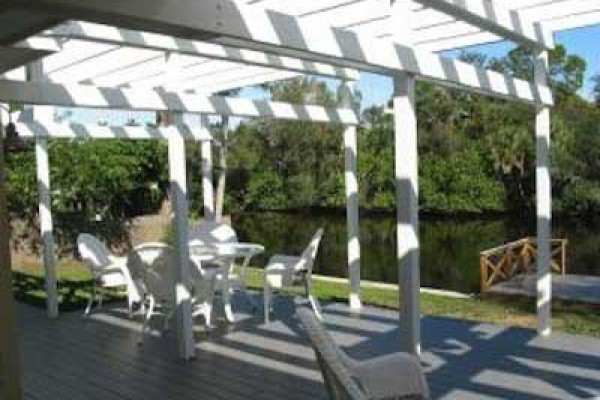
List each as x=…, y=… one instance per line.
x=284, y=271
x=108, y=270
x=392, y=376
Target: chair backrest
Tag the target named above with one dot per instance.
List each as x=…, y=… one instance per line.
x=332, y=361
x=310, y=252
x=208, y=232
x=152, y=270
x=93, y=252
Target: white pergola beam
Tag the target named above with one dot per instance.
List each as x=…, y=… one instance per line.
x=14, y=57
x=230, y=23
x=492, y=17
x=544, y=205
x=153, y=100
x=124, y=37
x=49, y=130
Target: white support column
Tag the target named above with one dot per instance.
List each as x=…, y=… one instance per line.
x=10, y=364
x=544, y=204
x=178, y=178
x=46, y=225
x=208, y=188
x=35, y=73
x=407, y=203
x=407, y=188
x=352, y=200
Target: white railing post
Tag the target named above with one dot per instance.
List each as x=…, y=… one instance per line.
x=10, y=364
x=544, y=203
x=407, y=189
x=208, y=187
x=352, y=199
x=35, y=73
x=178, y=178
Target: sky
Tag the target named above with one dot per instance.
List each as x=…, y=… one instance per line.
x=585, y=42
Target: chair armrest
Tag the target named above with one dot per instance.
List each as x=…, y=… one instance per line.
x=285, y=262
x=397, y=375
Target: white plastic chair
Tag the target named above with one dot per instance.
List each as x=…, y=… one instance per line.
x=153, y=271
x=108, y=270
x=207, y=234
x=392, y=376
x=284, y=271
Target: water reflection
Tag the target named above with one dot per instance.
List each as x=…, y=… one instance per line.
x=450, y=248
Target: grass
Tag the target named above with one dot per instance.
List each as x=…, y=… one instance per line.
x=75, y=283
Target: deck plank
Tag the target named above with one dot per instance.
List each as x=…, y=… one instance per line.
x=98, y=358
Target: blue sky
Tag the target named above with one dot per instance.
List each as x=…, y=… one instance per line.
x=585, y=42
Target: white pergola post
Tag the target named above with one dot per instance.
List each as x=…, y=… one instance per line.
x=46, y=225
x=407, y=188
x=352, y=200
x=178, y=178
x=407, y=203
x=10, y=364
x=544, y=203
x=208, y=189
x=35, y=73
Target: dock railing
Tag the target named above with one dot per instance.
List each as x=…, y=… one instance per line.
x=504, y=262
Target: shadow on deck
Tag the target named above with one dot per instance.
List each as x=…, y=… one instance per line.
x=98, y=358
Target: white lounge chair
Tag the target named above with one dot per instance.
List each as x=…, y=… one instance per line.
x=392, y=376
x=284, y=271
x=108, y=271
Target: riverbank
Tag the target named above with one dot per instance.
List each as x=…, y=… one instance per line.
x=74, y=287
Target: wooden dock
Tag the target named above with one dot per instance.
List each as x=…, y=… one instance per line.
x=583, y=288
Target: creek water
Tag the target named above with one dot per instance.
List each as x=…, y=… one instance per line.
x=449, y=247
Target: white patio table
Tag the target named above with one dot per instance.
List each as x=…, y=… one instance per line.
x=225, y=255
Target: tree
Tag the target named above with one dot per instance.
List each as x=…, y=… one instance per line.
x=596, y=89
x=566, y=71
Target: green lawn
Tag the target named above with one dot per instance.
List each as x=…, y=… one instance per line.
x=74, y=285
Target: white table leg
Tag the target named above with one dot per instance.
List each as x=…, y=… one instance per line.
x=226, y=295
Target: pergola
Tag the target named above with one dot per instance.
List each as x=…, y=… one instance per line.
x=172, y=55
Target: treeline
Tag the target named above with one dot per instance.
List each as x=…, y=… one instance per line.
x=476, y=156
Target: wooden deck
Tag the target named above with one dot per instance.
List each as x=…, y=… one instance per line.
x=582, y=288
x=73, y=358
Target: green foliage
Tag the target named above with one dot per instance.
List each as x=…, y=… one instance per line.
x=460, y=182
x=94, y=184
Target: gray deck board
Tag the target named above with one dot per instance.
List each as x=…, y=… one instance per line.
x=98, y=358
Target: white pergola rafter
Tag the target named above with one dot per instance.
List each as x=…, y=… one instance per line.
x=154, y=100
x=228, y=23
x=493, y=17
x=50, y=130
x=125, y=37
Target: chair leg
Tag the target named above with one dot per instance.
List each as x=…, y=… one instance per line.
x=90, y=303
x=267, y=298
x=147, y=318
x=129, y=306
x=312, y=299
